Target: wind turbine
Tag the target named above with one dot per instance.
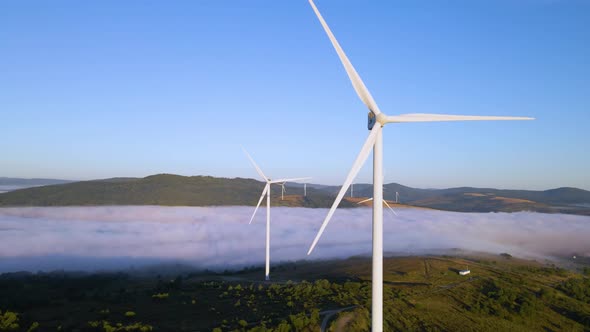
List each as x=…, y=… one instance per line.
x=376, y=121
x=397, y=197
x=266, y=192
x=384, y=202
x=283, y=190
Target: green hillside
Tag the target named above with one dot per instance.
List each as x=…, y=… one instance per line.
x=161, y=189
x=176, y=190
x=468, y=199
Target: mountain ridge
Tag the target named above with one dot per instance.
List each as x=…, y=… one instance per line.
x=177, y=190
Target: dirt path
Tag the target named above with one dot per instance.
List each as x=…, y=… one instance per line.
x=328, y=315
x=342, y=322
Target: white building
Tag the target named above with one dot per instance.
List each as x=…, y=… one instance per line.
x=464, y=272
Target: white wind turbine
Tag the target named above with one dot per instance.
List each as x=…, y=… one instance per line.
x=266, y=192
x=384, y=202
x=283, y=191
x=377, y=120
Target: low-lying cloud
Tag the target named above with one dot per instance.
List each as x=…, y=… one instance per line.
x=92, y=238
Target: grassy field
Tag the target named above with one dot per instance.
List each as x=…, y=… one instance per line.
x=423, y=293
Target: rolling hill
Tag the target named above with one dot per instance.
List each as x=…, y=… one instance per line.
x=161, y=189
x=176, y=190
x=469, y=199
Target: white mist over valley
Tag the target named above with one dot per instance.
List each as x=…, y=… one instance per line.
x=120, y=237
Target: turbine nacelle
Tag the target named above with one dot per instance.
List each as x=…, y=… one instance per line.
x=371, y=120
x=374, y=118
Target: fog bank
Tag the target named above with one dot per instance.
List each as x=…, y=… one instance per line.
x=92, y=238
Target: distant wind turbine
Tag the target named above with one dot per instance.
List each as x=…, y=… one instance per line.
x=376, y=121
x=384, y=202
x=266, y=192
x=283, y=191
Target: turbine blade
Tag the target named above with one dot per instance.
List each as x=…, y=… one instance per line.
x=356, y=167
x=421, y=117
x=288, y=180
x=365, y=200
x=255, y=166
x=355, y=79
x=384, y=201
x=259, y=201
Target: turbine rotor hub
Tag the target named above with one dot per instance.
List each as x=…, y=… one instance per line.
x=372, y=119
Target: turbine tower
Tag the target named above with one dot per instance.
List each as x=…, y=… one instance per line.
x=266, y=192
x=376, y=121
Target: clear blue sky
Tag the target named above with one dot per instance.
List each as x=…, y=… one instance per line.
x=132, y=88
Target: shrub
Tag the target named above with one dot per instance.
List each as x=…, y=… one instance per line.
x=579, y=289
x=33, y=327
x=160, y=296
x=118, y=327
x=8, y=321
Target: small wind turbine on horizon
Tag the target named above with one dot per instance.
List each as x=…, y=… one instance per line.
x=384, y=202
x=376, y=121
x=266, y=192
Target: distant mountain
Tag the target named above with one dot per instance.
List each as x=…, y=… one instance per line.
x=162, y=189
x=4, y=181
x=168, y=189
x=557, y=196
x=10, y=184
x=468, y=199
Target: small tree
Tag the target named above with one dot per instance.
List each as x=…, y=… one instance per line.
x=33, y=327
x=8, y=321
